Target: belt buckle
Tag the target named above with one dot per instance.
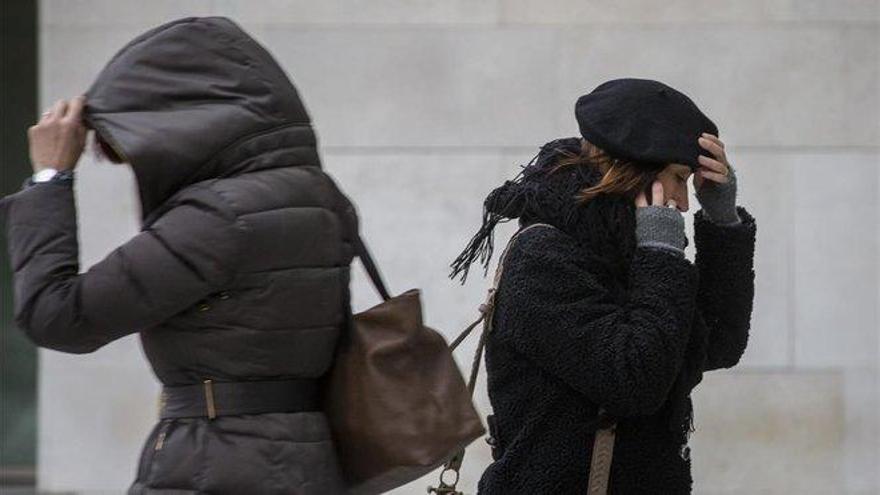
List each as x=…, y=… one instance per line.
x=163, y=399
x=209, y=399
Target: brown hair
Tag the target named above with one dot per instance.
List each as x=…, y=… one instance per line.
x=619, y=176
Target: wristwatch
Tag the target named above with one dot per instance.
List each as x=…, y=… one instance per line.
x=44, y=175
x=48, y=174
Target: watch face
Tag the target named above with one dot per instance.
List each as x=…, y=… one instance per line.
x=45, y=174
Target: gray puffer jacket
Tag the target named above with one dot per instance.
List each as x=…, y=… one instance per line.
x=240, y=271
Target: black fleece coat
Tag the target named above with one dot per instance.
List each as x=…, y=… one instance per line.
x=573, y=331
x=240, y=271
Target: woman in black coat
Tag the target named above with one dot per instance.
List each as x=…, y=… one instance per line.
x=237, y=283
x=599, y=308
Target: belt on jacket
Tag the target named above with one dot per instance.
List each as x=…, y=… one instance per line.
x=211, y=399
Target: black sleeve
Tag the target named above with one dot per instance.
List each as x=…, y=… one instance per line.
x=725, y=260
x=554, y=306
x=181, y=258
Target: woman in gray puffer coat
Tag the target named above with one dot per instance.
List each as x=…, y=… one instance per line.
x=238, y=280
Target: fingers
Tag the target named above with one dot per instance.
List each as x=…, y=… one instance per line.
x=714, y=176
x=713, y=147
x=74, y=112
x=49, y=113
x=55, y=112
x=712, y=169
x=65, y=115
x=58, y=139
x=65, y=110
x=58, y=109
x=712, y=165
x=657, y=198
x=714, y=139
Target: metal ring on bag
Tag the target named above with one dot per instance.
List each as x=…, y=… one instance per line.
x=445, y=488
x=685, y=452
x=454, y=483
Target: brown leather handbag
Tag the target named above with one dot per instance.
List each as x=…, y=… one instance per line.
x=603, y=443
x=395, y=399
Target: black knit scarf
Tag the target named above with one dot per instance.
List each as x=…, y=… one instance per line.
x=604, y=226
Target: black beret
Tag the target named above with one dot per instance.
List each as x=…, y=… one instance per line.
x=645, y=121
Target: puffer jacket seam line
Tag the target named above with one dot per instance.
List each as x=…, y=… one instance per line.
x=297, y=207
x=239, y=226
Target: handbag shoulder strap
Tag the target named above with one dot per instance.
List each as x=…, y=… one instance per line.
x=487, y=307
x=496, y=282
x=363, y=253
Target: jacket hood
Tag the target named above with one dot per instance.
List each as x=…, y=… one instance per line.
x=194, y=99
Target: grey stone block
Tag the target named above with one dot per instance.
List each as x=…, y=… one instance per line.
x=862, y=430
x=104, y=13
x=418, y=210
x=506, y=87
x=685, y=12
x=763, y=85
x=769, y=432
x=359, y=13
x=108, y=208
x=71, y=57
x=95, y=413
x=424, y=88
x=836, y=259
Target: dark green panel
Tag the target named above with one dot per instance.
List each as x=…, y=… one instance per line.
x=18, y=358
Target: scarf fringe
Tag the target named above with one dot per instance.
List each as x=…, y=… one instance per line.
x=482, y=245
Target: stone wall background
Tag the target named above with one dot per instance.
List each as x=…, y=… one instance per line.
x=423, y=106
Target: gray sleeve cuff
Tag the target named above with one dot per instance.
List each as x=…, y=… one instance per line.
x=660, y=227
x=728, y=219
